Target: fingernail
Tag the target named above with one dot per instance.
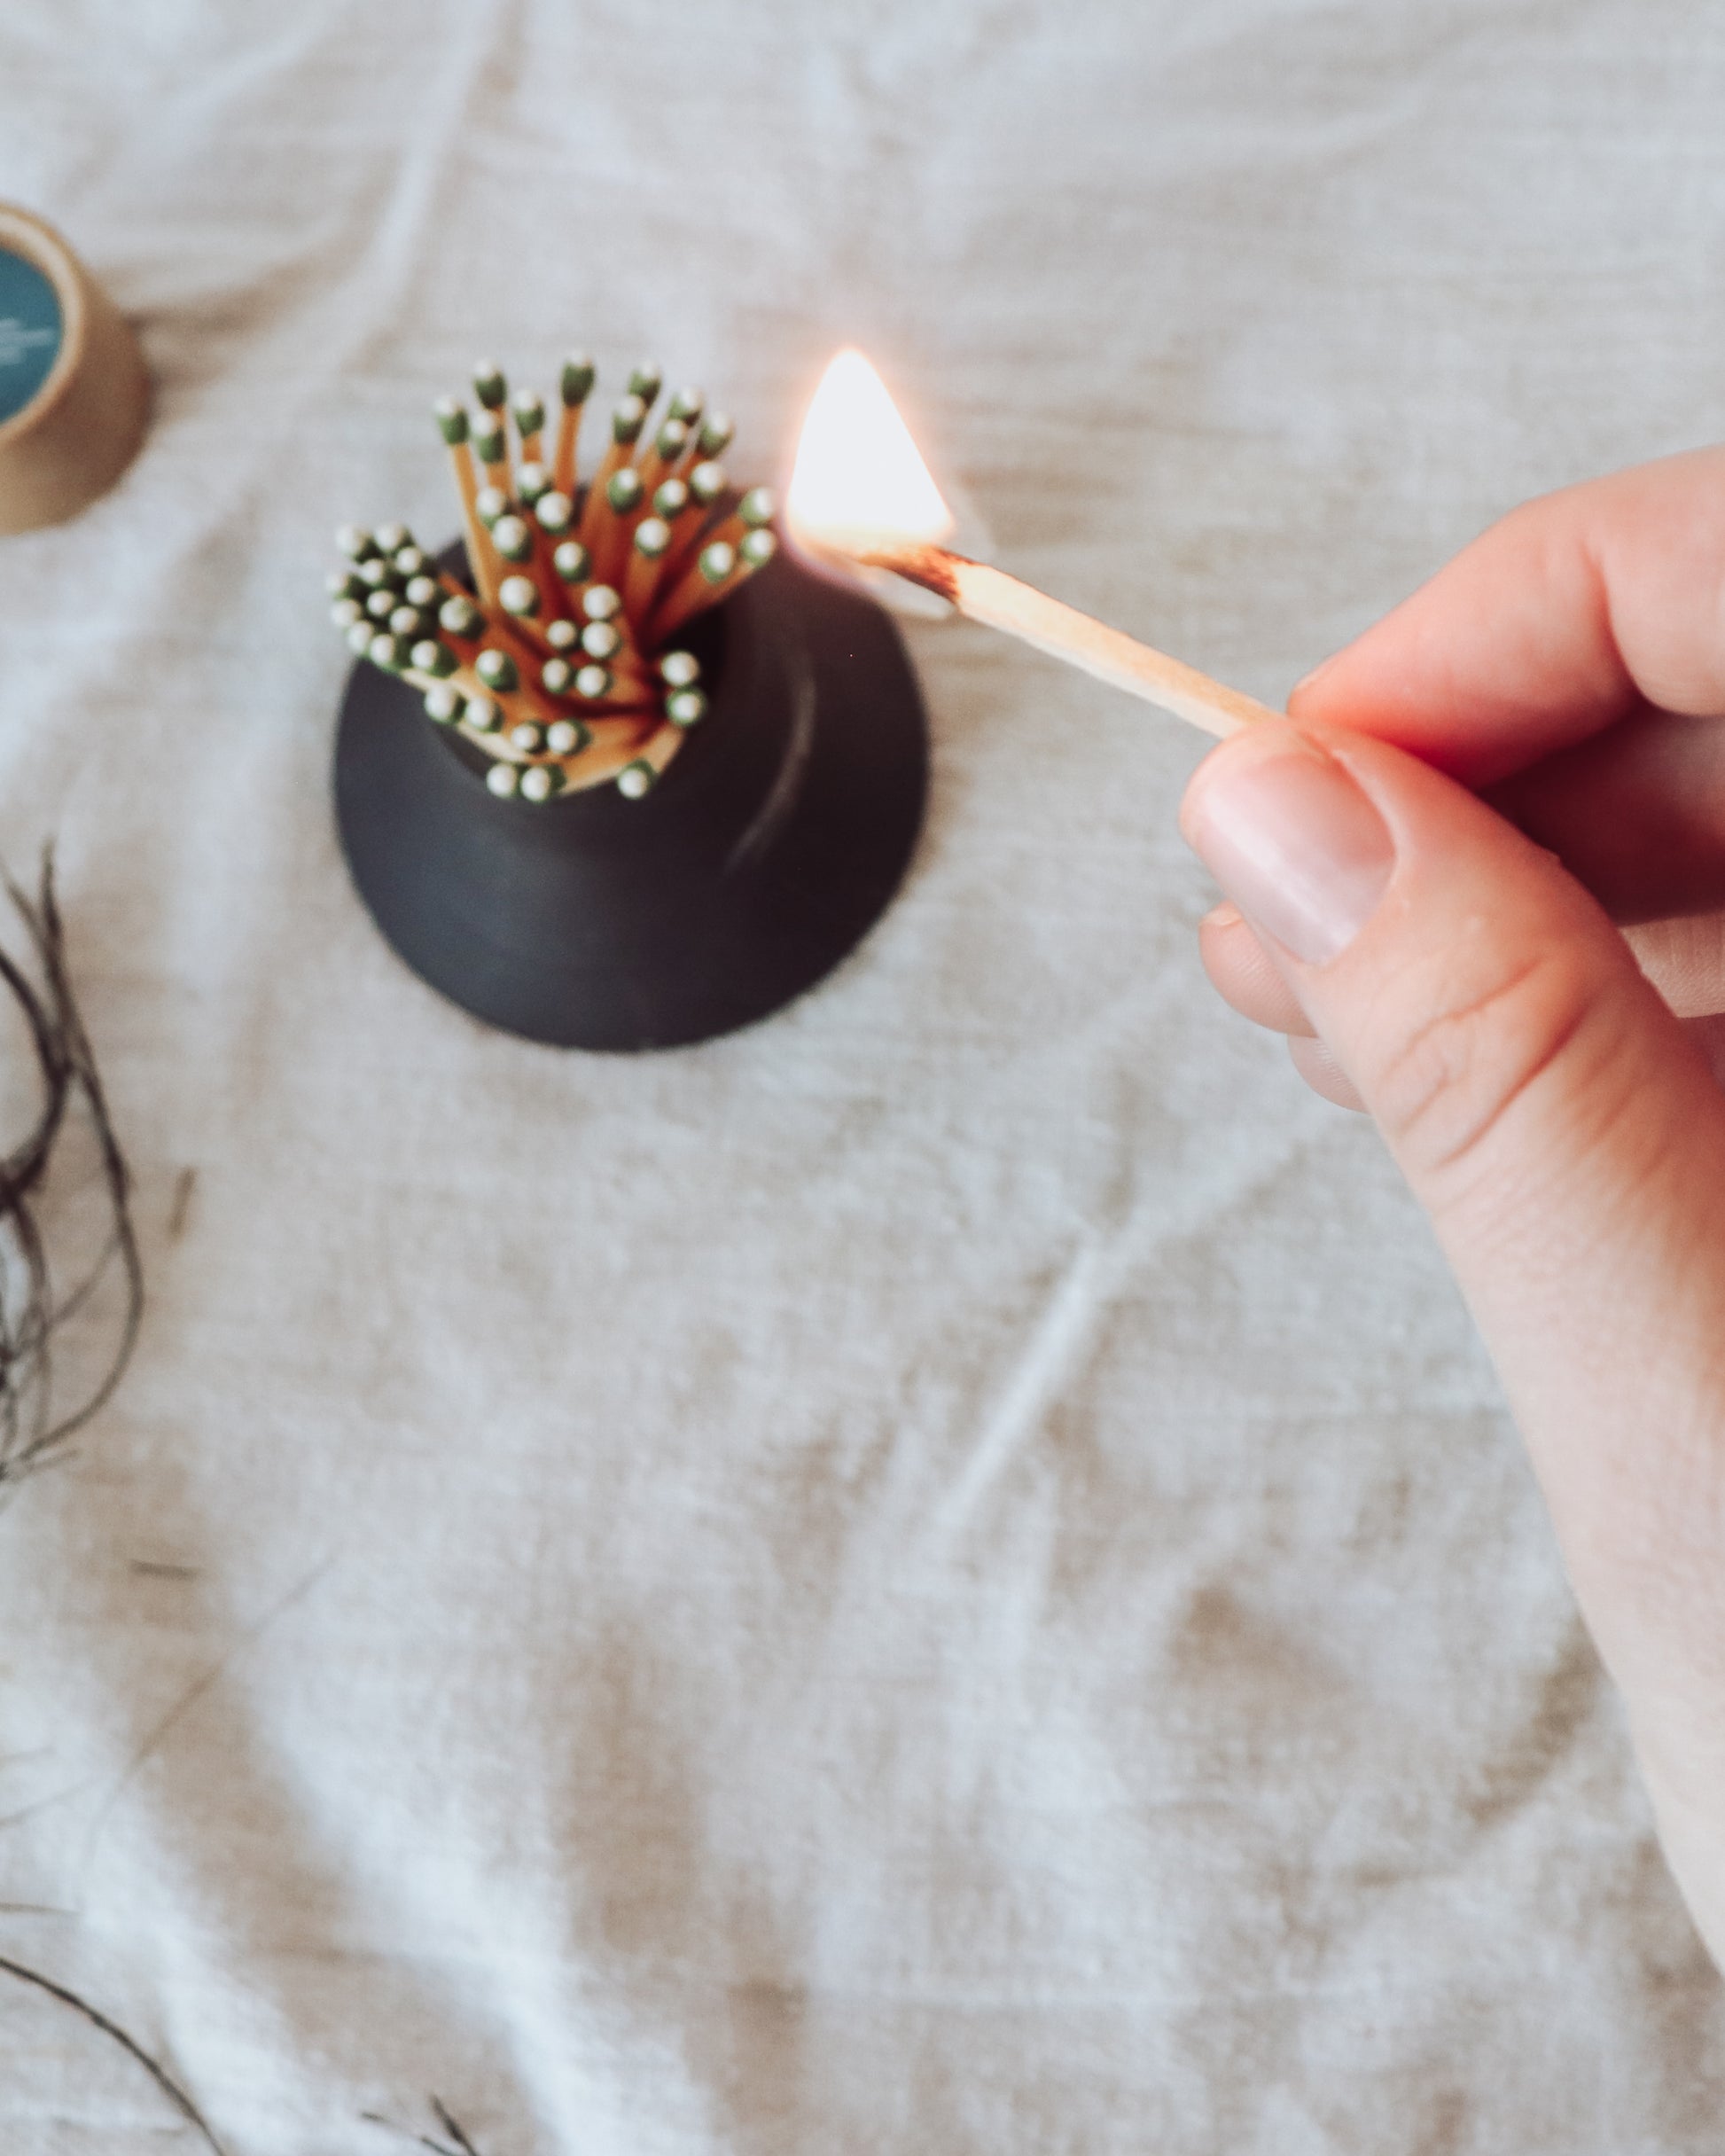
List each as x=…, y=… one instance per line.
x=1311, y=680
x=1293, y=841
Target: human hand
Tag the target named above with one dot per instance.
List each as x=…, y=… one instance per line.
x=1545, y=1082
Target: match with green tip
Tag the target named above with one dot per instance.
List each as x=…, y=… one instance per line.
x=532, y=481
x=637, y=779
x=688, y=404
x=579, y=375
x=345, y=612
x=758, y=507
x=627, y=420
x=623, y=491
x=393, y=537
x=431, y=657
x=717, y=561
x=497, y=670
x=443, y=704
x=376, y=574
x=593, y=682
x=554, y=512
x=679, y=670
x=501, y=779
x=557, y=677
x=423, y=591
x=560, y=635
x=481, y=714
x=603, y=603
x=356, y=542
x=670, y=441
x=652, y=535
x=706, y=482
x=528, y=737
x=490, y=503
x=519, y=595
x=409, y=561
x=382, y=603
x=601, y=640
x=512, y=539
x=345, y=584
x=646, y=381
x=566, y=737
x=359, y=639
x=717, y=434
x=489, y=439
x=686, y=708
x=489, y=386
x=451, y=417
x=671, y=498
x=529, y=410
x=385, y=651
x=541, y=783
x=758, y=549
x=459, y=617
x=572, y=562
x=409, y=622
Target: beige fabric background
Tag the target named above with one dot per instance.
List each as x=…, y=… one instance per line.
x=945, y=1576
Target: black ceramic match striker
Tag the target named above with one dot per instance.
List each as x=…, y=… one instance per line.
x=767, y=850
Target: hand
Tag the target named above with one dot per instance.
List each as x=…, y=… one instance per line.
x=1426, y=863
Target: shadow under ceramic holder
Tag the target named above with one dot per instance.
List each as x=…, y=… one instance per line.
x=767, y=850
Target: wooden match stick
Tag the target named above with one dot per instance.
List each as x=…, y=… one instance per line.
x=574, y=388
x=989, y=595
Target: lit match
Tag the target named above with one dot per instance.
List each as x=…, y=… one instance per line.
x=860, y=489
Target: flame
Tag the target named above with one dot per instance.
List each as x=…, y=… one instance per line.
x=859, y=482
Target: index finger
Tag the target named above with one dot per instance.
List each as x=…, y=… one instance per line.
x=1574, y=612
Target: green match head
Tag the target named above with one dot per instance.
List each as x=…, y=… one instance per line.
x=566, y=737
x=481, y=715
x=593, y=682
x=382, y=603
x=717, y=561
x=512, y=539
x=557, y=677
x=706, y=481
x=688, y=404
x=356, y=542
x=490, y=503
x=679, y=670
x=623, y=491
x=459, y=617
x=385, y=651
x=409, y=561
x=528, y=737
x=393, y=537
x=579, y=373
x=490, y=441
x=497, y=670
x=529, y=412
x=345, y=612
x=408, y=622
x=451, y=417
x=378, y=574
x=670, y=441
x=758, y=507
x=489, y=386
x=431, y=657
x=758, y=549
x=671, y=498
x=345, y=584
x=443, y=704
x=601, y=640
x=501, y=779
x=531, y=482
x=652, y=535
x=519, y=595
x=423, y=591
x=603, y=603
x=686, y=706
x=572, y=562
x=627, y=419
x=646, y=381
x=717, y=434
x=636, y=780
x=554, y=512
x=540, y=781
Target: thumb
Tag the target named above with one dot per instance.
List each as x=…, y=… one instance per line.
x=1565, y=1136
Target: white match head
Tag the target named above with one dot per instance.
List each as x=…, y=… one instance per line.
x=501, y=779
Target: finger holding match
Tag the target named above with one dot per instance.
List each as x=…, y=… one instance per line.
x=574, y=387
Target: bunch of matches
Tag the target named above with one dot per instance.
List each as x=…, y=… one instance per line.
x=565, y=662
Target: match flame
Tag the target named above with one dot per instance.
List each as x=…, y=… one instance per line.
x=859, y=484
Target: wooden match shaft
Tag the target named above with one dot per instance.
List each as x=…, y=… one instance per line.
x=999, y=601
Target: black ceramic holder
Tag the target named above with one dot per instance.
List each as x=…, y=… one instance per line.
x=766, y=852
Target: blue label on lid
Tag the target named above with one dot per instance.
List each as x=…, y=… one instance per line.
x=29, y=332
